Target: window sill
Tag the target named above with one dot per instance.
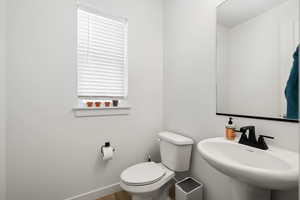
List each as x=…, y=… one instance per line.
x=95, y=112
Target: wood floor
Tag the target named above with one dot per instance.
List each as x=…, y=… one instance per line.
x=125, y=196
x=117, y=196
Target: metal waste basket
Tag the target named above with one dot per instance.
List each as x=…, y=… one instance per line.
x=189, y=189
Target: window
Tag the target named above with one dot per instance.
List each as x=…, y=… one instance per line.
x=101, y=55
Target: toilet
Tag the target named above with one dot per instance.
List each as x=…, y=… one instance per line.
x=151, y=181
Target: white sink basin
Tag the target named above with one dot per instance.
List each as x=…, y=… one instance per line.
x=274, y=168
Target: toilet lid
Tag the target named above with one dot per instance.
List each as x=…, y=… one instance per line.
x=143, y=174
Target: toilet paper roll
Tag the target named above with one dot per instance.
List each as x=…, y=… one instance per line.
x=107, y=153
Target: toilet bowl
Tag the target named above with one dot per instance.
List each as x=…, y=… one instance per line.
x=151, y=181
x=147, y=181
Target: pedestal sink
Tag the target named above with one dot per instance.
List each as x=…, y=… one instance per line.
x=253, y=172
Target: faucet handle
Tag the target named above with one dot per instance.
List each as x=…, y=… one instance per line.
x=261, y=142
x=266, y=136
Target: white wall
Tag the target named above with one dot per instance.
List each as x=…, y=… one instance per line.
x=2, y=100
x=190, y=99
x=51, y=154
x=255, y=62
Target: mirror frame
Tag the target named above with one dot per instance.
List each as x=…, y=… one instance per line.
x=258, y=117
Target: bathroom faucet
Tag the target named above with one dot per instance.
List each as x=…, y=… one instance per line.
x=251, y=140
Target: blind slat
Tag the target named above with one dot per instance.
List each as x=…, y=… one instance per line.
x=104, y=68
x=102, y=74
x=98, y=77
x=103, y=53
x=95, y=47
x=101, y=56
x=95, y=63
x=115, y=85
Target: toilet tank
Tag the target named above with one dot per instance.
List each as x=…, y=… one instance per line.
x=175, y=151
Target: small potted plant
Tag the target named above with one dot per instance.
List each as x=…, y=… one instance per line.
x=89, y=104
x=107, y=104
x=98, y=104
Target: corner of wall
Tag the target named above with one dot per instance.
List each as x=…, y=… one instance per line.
x=3, y=156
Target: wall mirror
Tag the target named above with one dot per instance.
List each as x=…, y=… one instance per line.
x=257, y=59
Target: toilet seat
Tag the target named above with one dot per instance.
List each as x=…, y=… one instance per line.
x=143, y=174
x=146, y=189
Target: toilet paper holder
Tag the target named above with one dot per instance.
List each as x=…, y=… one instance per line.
x=106, y=144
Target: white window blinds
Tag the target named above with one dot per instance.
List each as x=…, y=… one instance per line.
x=101, y=55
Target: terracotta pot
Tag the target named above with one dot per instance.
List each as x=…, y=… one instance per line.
x=89, y=104
x=97, y=104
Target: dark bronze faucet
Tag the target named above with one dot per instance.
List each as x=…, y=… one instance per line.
x=251, y=140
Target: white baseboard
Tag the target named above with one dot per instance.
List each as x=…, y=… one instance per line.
x=97, y=193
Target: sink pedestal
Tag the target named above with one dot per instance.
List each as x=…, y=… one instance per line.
x=244, y=191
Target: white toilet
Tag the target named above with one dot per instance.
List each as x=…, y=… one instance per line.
x=151, y=181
